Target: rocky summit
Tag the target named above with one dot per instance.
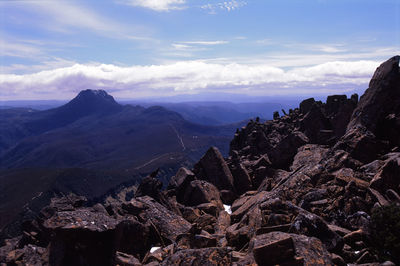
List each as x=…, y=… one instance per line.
x=319, y=185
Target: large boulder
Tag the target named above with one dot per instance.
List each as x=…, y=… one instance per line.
x=150, y=186
x=288, y=249
x=312, y=225
x=81, y=237
x=134, y=238
x=377, y=116
x=388, y=177
x=168, y=224
x=380, y=99
x=282, y=154
x=316, y=126
x=213, y=168
x=200, y=191
x=241, y=177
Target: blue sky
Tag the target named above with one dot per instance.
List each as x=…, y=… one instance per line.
x=154, y=48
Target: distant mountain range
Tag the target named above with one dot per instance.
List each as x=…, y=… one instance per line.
x=211, y=109
x=91, y=145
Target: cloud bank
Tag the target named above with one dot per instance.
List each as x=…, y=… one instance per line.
x=187, y=77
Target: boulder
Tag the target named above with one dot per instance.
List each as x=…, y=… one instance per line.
x=241, y=178
x=282, y=154
x=306, y=105
x=213, y=168
x=149, y=186
x=168, y=224
x=200, y=191
x=376, y=117
x=288, y=249
x=380, y=99
x=316, y=126
x=182, y=178
x=134, y=238
x=203, y=256
x=388, y=177
x=123, y=259
x=312, y=225
x=81, y=237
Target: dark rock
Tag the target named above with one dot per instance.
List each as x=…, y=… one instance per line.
x=282, y=155
x=380, y=99
x=199, y=192
x=241, y=178
x=168, y=224
x=181, y=180
x=206, y=222
x=223, y=222
x=289, y=249
x=123, y=259
x=354, y=237
x=314, y=125
x=306, y=105
x=135, y=238
x=191, y=214
x=150, y=186
x=312, y=225
x=237, y=236
x=388, y=177
x=81, y=237
x=213, y=168
x=275, y=115
x=204, y=241
x=210, y=208
x=228, y=196
x=337, y=260
x=274, y=252
x=204, y=256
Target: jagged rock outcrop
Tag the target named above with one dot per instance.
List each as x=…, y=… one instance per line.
x=301, y=189
x=375, y=123
x=213, y=168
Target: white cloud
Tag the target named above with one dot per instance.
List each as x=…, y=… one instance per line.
x=18, y=49
x=207, y=42
x=179, y=46
x=67, y=16
x=223, y=6
x=193, y=46
x=158, y=5
x=186, y=77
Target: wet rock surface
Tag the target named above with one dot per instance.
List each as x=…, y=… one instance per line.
x=298, y=190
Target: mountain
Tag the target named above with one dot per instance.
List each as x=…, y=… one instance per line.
x=220, y=113
x=93, y=131
x=318, y=186
x=91, y=145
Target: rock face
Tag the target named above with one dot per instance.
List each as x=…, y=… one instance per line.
x=297, y=190
x=377, y=116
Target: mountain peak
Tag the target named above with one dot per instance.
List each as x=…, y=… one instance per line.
x=89, y=102
x=94, y=95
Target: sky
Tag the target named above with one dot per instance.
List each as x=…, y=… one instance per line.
x=137, y=49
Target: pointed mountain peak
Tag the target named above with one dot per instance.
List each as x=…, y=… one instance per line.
x=91, y=102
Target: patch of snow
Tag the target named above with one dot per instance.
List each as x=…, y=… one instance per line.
x=154, y=249
x=228, y=209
